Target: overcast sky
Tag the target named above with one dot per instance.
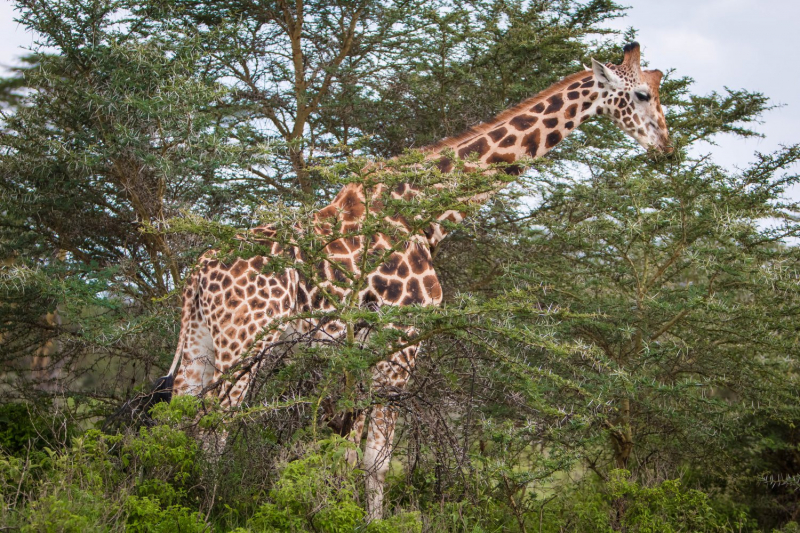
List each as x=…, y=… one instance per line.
x=741, y=44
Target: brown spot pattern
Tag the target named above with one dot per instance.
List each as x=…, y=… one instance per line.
x=531, y=142
x=553, y=138
x=523, y=122
x=555, y=103
x=497, y=134
x=511, y=140
x=550, y=122
x=481, y=146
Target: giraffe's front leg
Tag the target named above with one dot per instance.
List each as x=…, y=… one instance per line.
x=197, y=360
x=232, y=385
x=356, y=432
x=378, y=456
x=389, y=378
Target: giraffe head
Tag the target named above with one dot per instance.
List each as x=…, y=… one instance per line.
x=631, y=99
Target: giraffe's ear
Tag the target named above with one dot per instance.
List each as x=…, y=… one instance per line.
x=605, y=74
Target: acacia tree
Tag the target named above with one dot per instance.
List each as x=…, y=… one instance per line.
x=285, y=63
x=670, y=272
x=115, y=133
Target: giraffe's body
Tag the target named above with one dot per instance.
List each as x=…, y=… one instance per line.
x=227, y=308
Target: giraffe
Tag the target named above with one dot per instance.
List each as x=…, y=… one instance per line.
x=230, y=309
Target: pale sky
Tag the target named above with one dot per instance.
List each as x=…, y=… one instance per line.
x=741, y=44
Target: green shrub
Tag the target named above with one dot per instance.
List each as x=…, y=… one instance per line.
x=146, y=515
x=21, y=429
x=314, y=493
x=619, y=504
x=135, y=481
x=72, y=509
x=79, y=489
x=408, y=522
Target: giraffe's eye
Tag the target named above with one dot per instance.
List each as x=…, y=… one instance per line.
x=643, y=96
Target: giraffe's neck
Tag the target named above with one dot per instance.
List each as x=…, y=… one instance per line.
x=528, y=130
x=531, y=128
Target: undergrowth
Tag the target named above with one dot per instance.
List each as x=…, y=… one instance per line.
x=159, y=479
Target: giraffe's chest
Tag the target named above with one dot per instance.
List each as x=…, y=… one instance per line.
x=242, y=296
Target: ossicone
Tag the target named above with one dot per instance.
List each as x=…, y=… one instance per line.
x=632, y=57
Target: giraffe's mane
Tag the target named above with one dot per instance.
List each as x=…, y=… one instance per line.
x=525, y=105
